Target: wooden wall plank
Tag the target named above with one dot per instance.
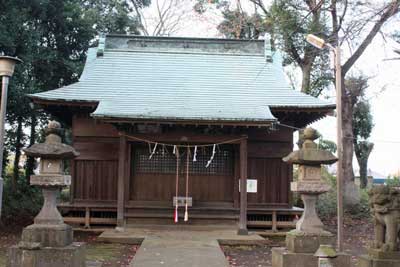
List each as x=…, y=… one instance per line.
x=161, y=187
x=269, y=149
x=83, y=125
x=95, y=180
x=96, y=150
x=281, y=135
x=273, y=179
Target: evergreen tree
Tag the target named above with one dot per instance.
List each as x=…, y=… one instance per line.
x=52, y=38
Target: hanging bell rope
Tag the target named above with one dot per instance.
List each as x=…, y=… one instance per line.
x=176, y=152
x=186, y=218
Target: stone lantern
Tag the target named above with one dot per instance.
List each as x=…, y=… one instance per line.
x=49, y=241
x=303, y=242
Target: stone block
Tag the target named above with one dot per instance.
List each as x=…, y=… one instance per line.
x=307, y=173
x=50, y=180
x=51, y=166
x=73, y=255
x=48, y=235
x=310, y=187
x=368, y=261
x=281, y=257
x=300, y=242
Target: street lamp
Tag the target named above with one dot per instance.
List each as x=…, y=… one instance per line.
x=7, y=65
x=321, y=44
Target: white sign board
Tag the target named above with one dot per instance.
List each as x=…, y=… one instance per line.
x=251, y=185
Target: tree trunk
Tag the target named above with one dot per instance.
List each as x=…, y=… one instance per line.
x=363, y=173
x=30, y=163
x=306, y=78
x=18, y=147
x=351, y=194
x=363, y=149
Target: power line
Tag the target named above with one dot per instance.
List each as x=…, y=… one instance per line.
x=373, y=141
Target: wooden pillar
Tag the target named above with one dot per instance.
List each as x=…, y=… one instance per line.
x=121, y=181
x=236, y=197
x=243, y=188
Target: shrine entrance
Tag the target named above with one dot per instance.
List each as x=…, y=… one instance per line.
x=154, y=179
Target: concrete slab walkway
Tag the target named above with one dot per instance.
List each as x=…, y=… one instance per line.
x=179, y=247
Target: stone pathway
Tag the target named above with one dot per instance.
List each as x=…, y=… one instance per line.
x=180, y=247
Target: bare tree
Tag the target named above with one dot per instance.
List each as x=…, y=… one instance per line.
x=163, y=17
x=369, y=20
x=354, y=23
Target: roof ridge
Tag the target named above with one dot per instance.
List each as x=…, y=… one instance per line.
x=181, y=38
x=179, y=52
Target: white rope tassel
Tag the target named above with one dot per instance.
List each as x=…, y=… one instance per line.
x=154, y=151
x=195, y=154
x=212, y=156
x=174, y=151
x=186, y=212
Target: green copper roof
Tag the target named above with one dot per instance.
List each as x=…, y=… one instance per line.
x=183, y=79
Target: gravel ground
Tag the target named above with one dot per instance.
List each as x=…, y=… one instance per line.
x=358, y=234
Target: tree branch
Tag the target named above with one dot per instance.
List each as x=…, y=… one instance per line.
x=139, y=15
x=261, y=5
x=392, y=9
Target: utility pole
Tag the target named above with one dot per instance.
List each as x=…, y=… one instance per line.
x=321, y=44
x=339, y=172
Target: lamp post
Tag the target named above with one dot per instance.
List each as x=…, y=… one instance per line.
x=7, y=65
x=321, y=44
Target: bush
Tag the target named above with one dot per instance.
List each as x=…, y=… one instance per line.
x=361, y=210
x=327, y=203
x=393, y=181
x=22, y=204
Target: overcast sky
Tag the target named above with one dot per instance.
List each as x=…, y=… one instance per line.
x=384, y=75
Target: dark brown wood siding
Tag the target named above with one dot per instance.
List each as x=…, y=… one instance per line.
x=95, y=180
x=156, y=181
x=95, y=171
x=273, y=177
x=265, y=153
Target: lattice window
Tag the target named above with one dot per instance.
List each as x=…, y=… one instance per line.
x=164, y=161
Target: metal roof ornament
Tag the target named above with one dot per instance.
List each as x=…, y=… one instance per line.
x=267, y=48
x=101, y=46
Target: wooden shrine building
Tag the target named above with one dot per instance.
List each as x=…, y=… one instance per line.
x=144, y=107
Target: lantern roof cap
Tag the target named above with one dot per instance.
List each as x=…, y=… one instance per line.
x=310, y=154
x=325, y=251
x=52, y=148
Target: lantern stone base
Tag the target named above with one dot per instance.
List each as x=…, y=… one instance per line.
x=48, y=235
x=282, y=257
x=70, y=256
x=379, y=258
x=369, y=261
x=301, y=242
x=383, y=255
